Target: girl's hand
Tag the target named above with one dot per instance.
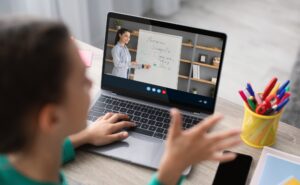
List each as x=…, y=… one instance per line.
x=189, y=147
x=105, y=130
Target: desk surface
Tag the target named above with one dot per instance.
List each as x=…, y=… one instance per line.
x=95, y=169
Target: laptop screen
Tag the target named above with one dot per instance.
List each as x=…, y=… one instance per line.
x=162, y=62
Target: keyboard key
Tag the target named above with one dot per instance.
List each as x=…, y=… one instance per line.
x=145, y=115
x=109, y=107
x=158, y=113
x=136, y=119
x=151, y=122
x=116, y=108
x=152, y=117
x=145, y=126
x=143, y=131
x=158, y=135
x=166, y=126
x=144, y=120
x=159, y=119
x=151, y=111
x=166, y=120
x=158, y=124
x=130, y=111
x=123, y=110
x=152, y=128
x=122, y=104
x=144, y=109
x=160, y=130
x=137, y=113
x=188, y=120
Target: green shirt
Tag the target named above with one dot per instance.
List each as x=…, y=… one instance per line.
x=9, y=175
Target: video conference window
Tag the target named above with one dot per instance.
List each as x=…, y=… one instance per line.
x=164, y=57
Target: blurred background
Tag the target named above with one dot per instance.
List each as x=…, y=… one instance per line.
x=263, y=35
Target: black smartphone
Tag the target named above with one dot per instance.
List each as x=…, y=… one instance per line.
x=233, y=172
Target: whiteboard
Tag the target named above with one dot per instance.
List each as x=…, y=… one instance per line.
x=162, y=52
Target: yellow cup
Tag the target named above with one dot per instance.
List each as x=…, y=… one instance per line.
x=259, y=130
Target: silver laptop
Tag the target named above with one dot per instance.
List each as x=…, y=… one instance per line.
x=150, y=66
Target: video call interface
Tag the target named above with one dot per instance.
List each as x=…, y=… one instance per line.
x=163, y=57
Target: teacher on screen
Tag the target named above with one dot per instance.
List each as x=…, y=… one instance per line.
x=121, y=55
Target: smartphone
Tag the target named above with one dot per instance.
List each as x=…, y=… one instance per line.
x=234, y=172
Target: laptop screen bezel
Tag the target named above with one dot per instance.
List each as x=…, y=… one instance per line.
x=169, y=25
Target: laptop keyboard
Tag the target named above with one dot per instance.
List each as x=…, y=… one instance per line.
x=149, y=120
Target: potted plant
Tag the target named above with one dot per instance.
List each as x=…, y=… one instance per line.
x=194, y=91
x=118, y=24
x=189, y=41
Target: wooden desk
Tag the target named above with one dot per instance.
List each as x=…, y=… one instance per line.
x=95, y=169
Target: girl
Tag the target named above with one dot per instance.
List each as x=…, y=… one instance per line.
x=121, y=55
x=44, y=95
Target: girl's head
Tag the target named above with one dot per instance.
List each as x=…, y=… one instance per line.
x=123, y=36
x=43, y=88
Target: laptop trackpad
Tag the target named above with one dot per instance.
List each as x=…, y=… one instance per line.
x=137, y=148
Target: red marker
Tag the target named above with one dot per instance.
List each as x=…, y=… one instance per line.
x=269, y=88
x=285, y=96
x=244, y=97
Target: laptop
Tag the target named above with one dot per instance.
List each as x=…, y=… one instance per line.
x=184, y=67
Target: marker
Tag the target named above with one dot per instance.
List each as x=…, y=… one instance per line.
x=286, y=95
x=269, y=88
x=251, y=103
x=275, y=89
x=250, y=90
x=287, y=89
x=283, y=86
x=280, y=94
x=246, y=92
x=258, y=99
x=244, y=97
x=281, y=105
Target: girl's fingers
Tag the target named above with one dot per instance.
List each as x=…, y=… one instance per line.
x=117, y=117
x=118, y=136
x=108, y=115
x=223, y=157
x=175, y=124
x=121, y=125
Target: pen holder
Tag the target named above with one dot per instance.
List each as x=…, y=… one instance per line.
x=259, y=130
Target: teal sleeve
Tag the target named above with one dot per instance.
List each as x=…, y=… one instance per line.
x=68, y=151
x=155, y=181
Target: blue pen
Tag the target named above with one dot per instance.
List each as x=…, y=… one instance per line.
x=250, y=90
x=281, y=105
x=283, y=86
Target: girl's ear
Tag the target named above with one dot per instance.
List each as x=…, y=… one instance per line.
x=48, y=118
